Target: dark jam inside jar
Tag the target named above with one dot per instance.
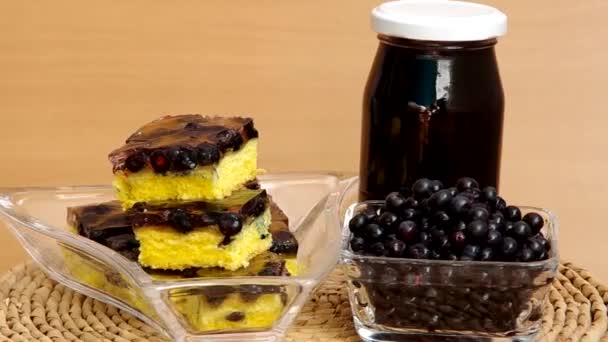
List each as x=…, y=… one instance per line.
x=431, y=109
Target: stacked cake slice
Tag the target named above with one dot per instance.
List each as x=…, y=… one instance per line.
x=189, y=205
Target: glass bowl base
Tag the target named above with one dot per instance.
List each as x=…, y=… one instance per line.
x=370, y=334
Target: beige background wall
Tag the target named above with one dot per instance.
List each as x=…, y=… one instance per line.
x=77, y=76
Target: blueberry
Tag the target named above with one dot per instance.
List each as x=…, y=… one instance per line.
x=370, y=213
x=525, y=255
x=521, y=231
x=230, y=224
x=411, y=203
x=493, y=225
x=183, y=159
x=477, y=230
x=473, y=194
x=466, y=183
x=388, y=220
x=453, y=191
x=378, y=249
x=357, y=223
x=459, y=205
x=512, y=213
x=395, y=248
x=478, y=213
x=544, y=242
x=451, y=257
x=471, y=251
x=441, y=242
x=436, y=186
x=440, y=218
x=357, y=244
x=179, y=219
x=435, y=255
x=489, y=194
x=508, y=227
x=498, y=218
x=410, y=214
x=422, y=188
x=419, y=251
x=135, y=162
x=487, y=254
x=535, y=221
x=406, y=231
x=207, y=154
x=424, y=238
x=536, y=247
x=439, y=199
x=395, y=202
x=500, y=204
x=160, y=162
x=458, y=239
x=459, y=226
x=508, y=248
x=229, y=139
x=390, y=237
x=494, y=239
x=372, y=231
x=425, y=224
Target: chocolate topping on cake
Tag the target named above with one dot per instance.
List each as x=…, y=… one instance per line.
x=181, y=142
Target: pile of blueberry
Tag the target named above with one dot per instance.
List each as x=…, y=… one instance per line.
x=458, y=223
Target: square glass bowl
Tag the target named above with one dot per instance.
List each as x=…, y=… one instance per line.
x=395, y=299
x=223, y=309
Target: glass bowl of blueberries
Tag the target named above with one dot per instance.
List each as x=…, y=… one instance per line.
x=448, y=263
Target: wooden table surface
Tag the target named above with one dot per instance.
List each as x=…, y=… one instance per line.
x=77, y=76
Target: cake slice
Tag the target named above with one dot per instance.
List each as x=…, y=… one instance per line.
x=225, y=233
x=186, y=157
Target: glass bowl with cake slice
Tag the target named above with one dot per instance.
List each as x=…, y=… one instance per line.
x=204, y=248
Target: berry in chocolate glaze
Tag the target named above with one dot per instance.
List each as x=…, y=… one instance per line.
x=229, y=139
x=159, y=161
x=230, y=224
x=535, y=221
x=207, y=154
x=512, y=213
x=466, y=183
x=183, y=159
x=180, y=220
x=135, y=162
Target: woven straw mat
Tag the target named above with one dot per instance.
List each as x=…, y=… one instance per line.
x=35, y=308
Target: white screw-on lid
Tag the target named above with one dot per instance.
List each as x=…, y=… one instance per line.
x=438, y=20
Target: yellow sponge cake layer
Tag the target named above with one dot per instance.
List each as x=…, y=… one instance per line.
x=204, y=183
x=162, y=247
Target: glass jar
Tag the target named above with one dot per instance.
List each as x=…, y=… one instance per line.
x=433, y=104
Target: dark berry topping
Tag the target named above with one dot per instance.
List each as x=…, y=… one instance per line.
x=183, y=159
x=229, y=139
x=388, y=220
x=235, y=316
x=478, y=213
x=207, y=154
x=494, y=238
x=230, y=224
x=477, y=230
x=419, y=251
x=395, y=248
x=439, y=199
x=159, y=161
x=357, y=244
x=535, y=221
x=489, y=194
x=395, y=202
x=378, y=249
x=135, y=162
x=487, y=254
x=521, y=231
x=255, y=207
x=466, y=183
x=284, y=242
x=407, y=231
x=512, y=213
x=357, y=223
x=372, y=231
x=180, y=220
x=509, y=247
x=422, y=188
